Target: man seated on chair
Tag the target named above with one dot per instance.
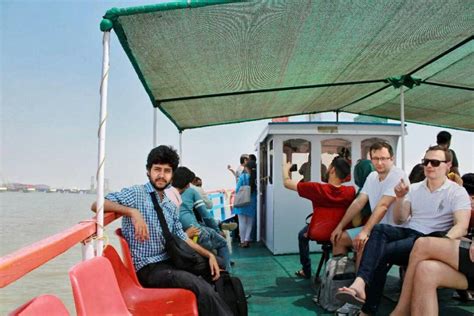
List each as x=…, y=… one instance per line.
x=196, y=220
x=142, y=230
x=436, y=206
x=378, y=191
x=330, y=201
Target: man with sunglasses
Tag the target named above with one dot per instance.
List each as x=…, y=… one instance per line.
x=434, y=207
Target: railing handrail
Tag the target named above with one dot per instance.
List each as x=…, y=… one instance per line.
x=16, y=264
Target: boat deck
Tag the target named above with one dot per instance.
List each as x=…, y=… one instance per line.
x=275, y=290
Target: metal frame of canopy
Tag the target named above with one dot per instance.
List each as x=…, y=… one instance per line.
x=104, y=84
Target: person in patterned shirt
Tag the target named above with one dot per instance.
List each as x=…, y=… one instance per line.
x=142, y=230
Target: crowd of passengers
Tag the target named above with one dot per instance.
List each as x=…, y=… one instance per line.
x=417, y=221
x=389, y=220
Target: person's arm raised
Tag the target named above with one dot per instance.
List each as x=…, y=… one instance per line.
x=287, y=182
x=402, y=208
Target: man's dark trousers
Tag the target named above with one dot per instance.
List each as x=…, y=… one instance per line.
x=165, y=275
x=386, y=246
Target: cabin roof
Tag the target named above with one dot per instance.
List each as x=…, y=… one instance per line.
x=208, y=63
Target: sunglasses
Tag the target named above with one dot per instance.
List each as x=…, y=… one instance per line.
x=433, y=162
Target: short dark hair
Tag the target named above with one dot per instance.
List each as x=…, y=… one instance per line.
x=244, y=158
x=380, y=145
x=447, y=153
x=163, y=155
x=417, y=174
x=342, y=167
x=468, y=183
x=252, y=157
x=443, y=138
x=182, y=177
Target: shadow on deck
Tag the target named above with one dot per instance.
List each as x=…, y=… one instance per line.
x=275, y=290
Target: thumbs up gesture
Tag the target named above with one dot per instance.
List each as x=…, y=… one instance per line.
x=401, y=189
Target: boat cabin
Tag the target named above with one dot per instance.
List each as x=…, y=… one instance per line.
x=310, y=147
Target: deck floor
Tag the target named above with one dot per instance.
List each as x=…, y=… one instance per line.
x=276, y=291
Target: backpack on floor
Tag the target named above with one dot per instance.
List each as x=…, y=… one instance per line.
x=339, y=272
x=232, y=291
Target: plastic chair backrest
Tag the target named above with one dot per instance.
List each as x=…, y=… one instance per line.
x=42, y=305
x=149, y=301
x=122, y=275
x=95, y=288
x=127, y=256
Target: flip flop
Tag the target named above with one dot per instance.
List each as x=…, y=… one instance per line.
x=301, y=274
x=349, y=295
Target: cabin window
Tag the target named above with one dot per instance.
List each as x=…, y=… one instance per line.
x=298, y=153
x=330, y=149
x=270, y=161
x=365, y=146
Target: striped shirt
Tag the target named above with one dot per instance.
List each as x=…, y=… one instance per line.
x=153, y=249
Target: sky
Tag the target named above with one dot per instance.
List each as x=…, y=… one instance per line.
x=51, y=57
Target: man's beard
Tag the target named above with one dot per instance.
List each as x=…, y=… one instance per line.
x=157, y=188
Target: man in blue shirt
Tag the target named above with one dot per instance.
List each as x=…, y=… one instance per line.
x=142, y=230
x=197, y=221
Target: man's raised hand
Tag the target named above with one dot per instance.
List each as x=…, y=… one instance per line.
x=401, y=189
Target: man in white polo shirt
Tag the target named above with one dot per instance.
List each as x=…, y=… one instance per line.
x=435, y=206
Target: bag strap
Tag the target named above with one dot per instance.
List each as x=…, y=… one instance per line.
x=307, y=217
x=161, y=217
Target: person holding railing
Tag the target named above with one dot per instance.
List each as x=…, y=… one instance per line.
x=144, y=235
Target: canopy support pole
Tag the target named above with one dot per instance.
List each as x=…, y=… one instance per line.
x=155, y=126
x=180, y=148
x=101, y=161
x=402, y=120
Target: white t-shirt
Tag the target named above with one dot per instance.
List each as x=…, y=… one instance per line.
x=433, y=211
x=376, y=189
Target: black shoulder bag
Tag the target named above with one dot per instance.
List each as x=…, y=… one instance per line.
x=182, y=255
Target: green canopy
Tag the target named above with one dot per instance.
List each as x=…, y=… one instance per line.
x=218, y=62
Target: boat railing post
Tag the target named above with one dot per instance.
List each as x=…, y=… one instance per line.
x=101, y=158
x=155, y=126
x=180, y=148
x=402, y=120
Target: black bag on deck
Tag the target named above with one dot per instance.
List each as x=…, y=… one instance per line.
x=232, y=291
x=183, y=256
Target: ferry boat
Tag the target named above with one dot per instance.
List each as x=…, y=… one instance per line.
x=206, y=63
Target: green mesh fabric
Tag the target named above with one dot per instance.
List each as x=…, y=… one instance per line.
x=201, y=64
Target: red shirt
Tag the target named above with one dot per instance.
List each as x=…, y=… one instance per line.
x=329, y=206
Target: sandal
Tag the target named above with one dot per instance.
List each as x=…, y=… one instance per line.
x=349, y=295
x=301, y=274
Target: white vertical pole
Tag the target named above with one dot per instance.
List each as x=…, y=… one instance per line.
x=402, y=119
x=180, y=148
x=155, y=126
x=101, y=161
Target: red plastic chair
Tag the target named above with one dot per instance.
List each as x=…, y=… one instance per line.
x=147, y=301
x=95, y=289
x=42, y=305
x=127, y=256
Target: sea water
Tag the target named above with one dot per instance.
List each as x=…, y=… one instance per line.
x=30, y=217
